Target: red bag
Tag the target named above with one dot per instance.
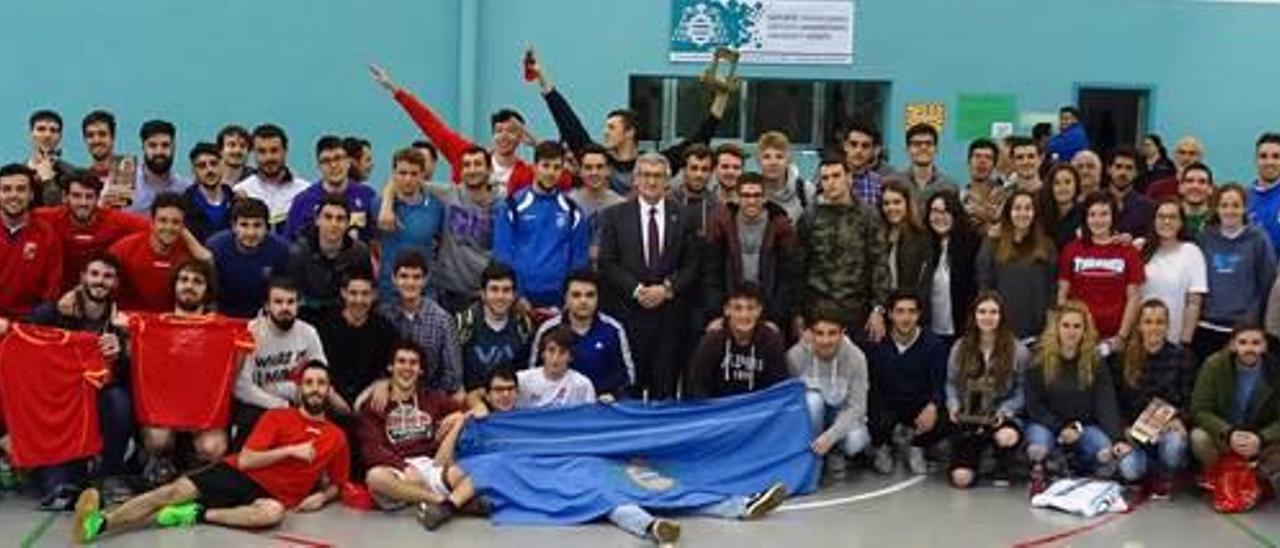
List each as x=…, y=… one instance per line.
x=1235, y=484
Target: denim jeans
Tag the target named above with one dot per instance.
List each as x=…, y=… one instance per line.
x=822, y=415
x=1170, y=448
x=1084, y=451
x=636, y=520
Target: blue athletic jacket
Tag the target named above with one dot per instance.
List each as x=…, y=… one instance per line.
x=543, y=236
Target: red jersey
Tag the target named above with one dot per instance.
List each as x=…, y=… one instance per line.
x=32, y=267
x=49, y=379
x=1099, y=276
x=290, y=480
x=81, y=241
x=145, y=283
x=184, y=368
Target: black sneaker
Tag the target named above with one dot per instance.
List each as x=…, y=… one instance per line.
x=159, y=471
x=61, y=499
x=478, y=507
x=432, y=516
x=760, y=504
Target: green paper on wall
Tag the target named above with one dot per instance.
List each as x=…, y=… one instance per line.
x=976, y=112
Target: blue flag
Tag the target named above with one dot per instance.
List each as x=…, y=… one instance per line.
x=574, y=465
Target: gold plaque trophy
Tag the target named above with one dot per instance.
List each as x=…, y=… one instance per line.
x=978, y=407
x=722, y=83
x=1153, y=420
x=120, y=186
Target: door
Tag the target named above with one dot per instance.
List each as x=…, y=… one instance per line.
x=1113, y=117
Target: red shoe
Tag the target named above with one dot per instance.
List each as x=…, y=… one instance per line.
x=1038, y=481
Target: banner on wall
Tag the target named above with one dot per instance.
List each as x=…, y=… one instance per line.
x=793, y=32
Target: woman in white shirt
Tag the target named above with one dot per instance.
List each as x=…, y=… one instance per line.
x=1175, y=271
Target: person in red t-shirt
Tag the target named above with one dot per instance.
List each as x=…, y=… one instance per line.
x=193, y=296
x=149, y=258
x=401, y=440
x=295, y=459
x=1103, y=271
x=30, y=250
x=85, y=228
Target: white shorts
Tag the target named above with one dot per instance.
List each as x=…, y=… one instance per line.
x=432, y=477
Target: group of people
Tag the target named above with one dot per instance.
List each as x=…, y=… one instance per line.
x=261, y=336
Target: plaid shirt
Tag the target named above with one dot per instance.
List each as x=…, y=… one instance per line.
x=867, y=188
x=431, y=328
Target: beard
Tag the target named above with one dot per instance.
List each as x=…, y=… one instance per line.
x=187, y=302
x=283, y=323
x=96, y=293
x=314, y=404
x=159, y=164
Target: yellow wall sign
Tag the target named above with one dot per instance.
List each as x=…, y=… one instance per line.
x=934, y=114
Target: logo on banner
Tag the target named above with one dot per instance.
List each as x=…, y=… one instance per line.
x=645, y=477
x=729, y=23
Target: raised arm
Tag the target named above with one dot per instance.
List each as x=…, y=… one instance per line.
x=449, y=142
x=567, y=122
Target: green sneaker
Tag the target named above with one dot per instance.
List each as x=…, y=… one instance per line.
x=88, y=519
x=178, y=515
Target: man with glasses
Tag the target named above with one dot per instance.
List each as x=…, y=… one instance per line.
x=923, y=173
x=648, y=256
x=335, y=166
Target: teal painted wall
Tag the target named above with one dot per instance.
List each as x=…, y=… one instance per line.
x=301, y=64
x=298, y=63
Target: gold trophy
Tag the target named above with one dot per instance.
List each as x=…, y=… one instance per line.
x=727, y=82
x=1153, y=420
x=978, y=408
x=120, y=186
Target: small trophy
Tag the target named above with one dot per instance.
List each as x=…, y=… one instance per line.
x=727, y=82
x=1153, y=420
x=978, y=408
x=120, y=186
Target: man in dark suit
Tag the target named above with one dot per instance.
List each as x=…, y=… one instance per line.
x=648, y=248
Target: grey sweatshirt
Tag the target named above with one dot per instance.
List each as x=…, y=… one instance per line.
x=842, y=383
x=1241, y=272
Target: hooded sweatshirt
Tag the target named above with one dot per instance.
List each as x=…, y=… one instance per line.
x=1241, y=271
x=722, y=367
x=842, y=382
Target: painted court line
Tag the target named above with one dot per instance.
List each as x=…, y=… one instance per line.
x=854, y=498
x=1074, y=531
x=1253, y=533
x=39, y=531
x=300, y=541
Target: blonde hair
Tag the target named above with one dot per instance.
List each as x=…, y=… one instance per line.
x=1050, y=351
x=775, y=140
